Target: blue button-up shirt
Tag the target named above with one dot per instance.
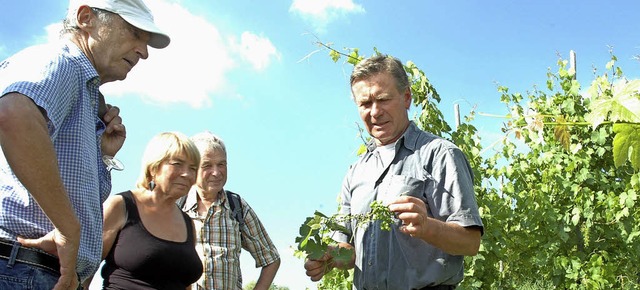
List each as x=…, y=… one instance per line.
x=424, y=166
x=61, y=80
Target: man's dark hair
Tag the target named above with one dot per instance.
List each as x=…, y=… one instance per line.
x=374, y=65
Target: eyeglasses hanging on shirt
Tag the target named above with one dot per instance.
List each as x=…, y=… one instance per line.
x=110, y=161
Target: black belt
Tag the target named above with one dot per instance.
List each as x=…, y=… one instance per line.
x=30, y=256
x=439, y=287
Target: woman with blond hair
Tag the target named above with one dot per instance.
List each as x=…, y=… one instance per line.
x=149, y=243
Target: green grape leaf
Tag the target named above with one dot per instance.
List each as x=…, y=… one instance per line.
x=354, y=57
x=337, y=227
x=315, y=250
x=632, y=236
x=342, y=255
x=305, y=234
x=335, y=56
x=629, y=101
x=626, y=144
x=575, y=88
x=317, y=213
x=361, y=150
x=561, y=132
x=305, y=228
x=623, y=105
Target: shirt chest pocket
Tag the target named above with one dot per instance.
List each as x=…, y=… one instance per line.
x=399, y=185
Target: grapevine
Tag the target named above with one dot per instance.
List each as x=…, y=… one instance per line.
x=315, y=239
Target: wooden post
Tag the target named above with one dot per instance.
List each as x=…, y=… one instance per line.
x=572, y=63
x=456, y=112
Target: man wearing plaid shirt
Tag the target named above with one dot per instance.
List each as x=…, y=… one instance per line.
x=220, y=236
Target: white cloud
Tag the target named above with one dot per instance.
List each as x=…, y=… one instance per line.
x=256, y=50
x=53, y=32
x=195, y=65
x=189, y=70
x=322, y=12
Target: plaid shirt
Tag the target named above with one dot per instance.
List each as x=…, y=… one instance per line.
x=59, y=79
x=220, y=240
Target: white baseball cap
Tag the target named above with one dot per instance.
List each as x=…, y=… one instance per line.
x=135, y=12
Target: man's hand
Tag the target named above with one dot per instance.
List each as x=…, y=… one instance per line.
x=413, y=213
x=450, y=237
x=115, y=132
x=66, y=249
x=317, y=268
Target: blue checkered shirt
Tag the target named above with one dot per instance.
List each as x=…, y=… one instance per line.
x=61, y=80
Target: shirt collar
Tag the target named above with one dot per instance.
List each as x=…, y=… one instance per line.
x=89, y=72
x=409, y=139
x=192, y=199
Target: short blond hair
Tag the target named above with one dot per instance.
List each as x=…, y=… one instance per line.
x=163, y=147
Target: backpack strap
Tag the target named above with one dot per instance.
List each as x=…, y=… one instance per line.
x=234, y=204
x=236, y=207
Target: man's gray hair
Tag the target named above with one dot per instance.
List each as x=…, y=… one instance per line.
x=374, y=65
x=70, y=26
x=208, y=141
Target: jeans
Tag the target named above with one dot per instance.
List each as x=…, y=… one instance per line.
x=25, y=277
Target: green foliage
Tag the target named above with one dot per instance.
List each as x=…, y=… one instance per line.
x=426, y=98
x=380, y=212
x=626, y=144
x=251, y=285
x=315, y=240
x=618, y=103
x=337, y=279
x=569, y=193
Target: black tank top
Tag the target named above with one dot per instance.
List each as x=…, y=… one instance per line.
x=140, y=260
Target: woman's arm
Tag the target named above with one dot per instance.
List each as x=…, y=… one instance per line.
x=114, y=217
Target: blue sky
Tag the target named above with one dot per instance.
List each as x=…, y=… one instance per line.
x=239, y=69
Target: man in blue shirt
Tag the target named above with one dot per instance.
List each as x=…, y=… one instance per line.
x=57, y=136
x=424, y=179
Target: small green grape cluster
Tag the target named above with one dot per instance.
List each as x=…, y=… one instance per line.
x=381, y=212
x=316, y=231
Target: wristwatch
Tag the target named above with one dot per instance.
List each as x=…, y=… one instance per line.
x=112, y=163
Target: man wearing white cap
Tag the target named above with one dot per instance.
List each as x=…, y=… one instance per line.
x=57, y=137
